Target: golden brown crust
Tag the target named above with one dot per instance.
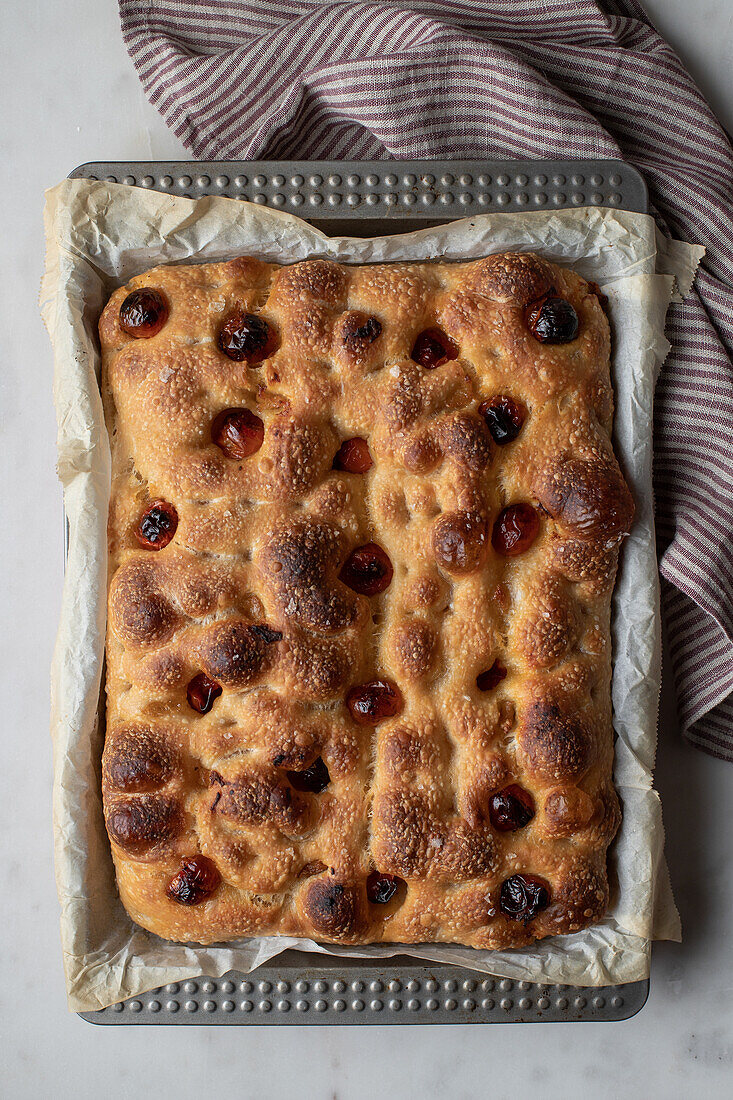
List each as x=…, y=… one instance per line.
x=495, y=664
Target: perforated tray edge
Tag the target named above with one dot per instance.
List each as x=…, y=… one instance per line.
x=389, y=196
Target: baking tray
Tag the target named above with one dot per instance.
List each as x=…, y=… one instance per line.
x=300, y=988
x=371, y=198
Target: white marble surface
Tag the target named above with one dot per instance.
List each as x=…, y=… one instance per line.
x=70, y=94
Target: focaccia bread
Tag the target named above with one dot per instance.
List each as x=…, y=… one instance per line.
x=363, y=537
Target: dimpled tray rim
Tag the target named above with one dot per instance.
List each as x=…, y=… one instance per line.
x=329, y=992
x=401, y=195
x=367, y=199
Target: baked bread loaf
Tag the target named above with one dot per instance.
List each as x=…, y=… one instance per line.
x=363, y=537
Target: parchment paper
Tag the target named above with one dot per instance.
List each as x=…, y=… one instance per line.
x=98, y=236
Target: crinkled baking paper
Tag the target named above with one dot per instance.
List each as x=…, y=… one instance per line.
x=98, y=236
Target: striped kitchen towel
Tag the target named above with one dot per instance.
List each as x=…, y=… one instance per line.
x=502, y=79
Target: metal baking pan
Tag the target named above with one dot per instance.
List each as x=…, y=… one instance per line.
x=369, y=199
x=298, y=988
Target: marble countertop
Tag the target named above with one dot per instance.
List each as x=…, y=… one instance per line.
x=70, y=95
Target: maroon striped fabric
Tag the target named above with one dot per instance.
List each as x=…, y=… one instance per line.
x=478, y=79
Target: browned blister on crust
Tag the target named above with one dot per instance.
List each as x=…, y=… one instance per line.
x=299, y=563
x=142, y=825
x=586, y=495
x=138, y=757
x=554, y=741
x=331, y=909
x=235, y=654
x=374, y=640
x=258, y=798
x=512, y=278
